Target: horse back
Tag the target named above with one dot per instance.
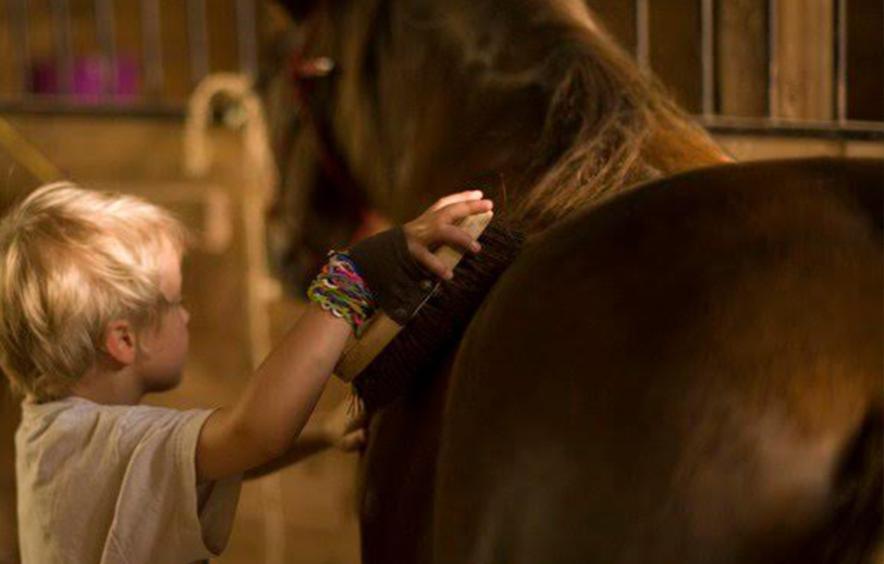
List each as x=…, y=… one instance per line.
x=691, y=372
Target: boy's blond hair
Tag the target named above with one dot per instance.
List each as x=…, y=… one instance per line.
x=71, y=261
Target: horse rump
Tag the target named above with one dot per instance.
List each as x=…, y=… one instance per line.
x=689, y=373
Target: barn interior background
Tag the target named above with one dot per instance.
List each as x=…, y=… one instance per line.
x=97, y=91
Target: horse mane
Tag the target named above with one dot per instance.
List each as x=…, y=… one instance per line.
x=609, y=125
x=603, y=125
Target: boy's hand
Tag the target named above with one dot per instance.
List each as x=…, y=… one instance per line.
x=395, y=263
x=344, y=427
x=437, y=226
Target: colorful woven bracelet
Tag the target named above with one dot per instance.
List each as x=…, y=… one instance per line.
x=341, y=291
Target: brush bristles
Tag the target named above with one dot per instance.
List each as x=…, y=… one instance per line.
x=433, y=333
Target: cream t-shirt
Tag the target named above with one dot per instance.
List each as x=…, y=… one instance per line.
x=116, y=484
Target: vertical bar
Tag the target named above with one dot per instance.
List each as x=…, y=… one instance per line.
x=841, y=60
x=642, y=34
x=197, y=40
x=246, y=31
x=773, y=69
x=152, y=46
x=64, y=53
x=105, y=28
x=18, y=10
x=707, y=40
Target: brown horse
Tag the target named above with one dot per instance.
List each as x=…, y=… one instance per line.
x=687, y=371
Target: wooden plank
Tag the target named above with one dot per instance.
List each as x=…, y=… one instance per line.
x=675, y=49
x=803, y=56
x=742, y=57
x=864, y=22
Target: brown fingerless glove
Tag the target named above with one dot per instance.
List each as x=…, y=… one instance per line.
x=395, y=279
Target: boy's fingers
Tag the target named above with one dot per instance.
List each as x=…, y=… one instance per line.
x=356, y=422
x=456, y=237
x=453, y=212
x=429, y=261
x=353, y=441
x=469, y=195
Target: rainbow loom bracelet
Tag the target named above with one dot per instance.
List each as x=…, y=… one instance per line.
x=341, y=291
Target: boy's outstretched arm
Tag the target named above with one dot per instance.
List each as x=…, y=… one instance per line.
x=273, y=409
x=276, y=403
x=344, y=427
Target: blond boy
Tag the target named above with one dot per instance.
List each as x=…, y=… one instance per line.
x=91, y=319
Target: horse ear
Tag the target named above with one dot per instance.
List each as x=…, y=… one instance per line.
x=298, y=9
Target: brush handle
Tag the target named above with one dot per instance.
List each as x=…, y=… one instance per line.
x=358, y=353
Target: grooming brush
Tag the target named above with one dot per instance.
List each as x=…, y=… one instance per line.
x=384, y=361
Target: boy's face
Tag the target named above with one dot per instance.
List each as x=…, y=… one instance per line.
x=163, y=351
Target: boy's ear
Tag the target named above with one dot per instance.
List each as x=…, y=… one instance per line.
x=119, y=341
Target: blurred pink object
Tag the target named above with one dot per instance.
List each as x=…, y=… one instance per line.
x=90, y=75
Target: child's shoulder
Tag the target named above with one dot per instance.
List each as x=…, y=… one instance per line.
x=76, y=420
x=77, y=410
x=65, y=412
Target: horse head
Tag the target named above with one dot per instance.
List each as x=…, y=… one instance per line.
x=535, y=103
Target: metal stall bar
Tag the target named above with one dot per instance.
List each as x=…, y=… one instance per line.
x=64, y=52
x=830, y=129
x=707, y=46
x=198, y=40
x=105, y=28
x=152, y=47
x=642, y=34
x=247, y=40
x=841, y=61
x=773, y=68
x=18, y=21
